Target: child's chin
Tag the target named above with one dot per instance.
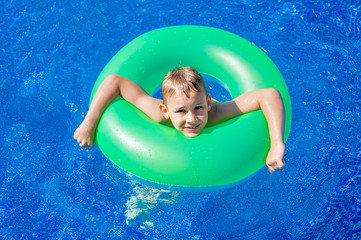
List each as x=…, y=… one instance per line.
x=191, y=134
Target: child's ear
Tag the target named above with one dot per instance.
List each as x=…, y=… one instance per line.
x=164, y=110
x=209, y=102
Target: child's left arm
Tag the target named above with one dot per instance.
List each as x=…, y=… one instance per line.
x=270, y=101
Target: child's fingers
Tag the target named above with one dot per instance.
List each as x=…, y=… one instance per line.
x=84, y=144
x=277, y=165
x=89, y=147
x=270, y=166
x=280, y=164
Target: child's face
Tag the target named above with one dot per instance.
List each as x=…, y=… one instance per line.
x=188, y=115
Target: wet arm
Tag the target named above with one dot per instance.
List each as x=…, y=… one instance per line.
x=115, y=85
x=270, y=101
x=108, y=90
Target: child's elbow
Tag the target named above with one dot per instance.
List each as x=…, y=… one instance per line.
x=115, y=77
x=273, y=93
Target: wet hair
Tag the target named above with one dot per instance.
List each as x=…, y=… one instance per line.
x=182, y=80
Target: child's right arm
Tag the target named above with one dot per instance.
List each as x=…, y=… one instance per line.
x=108, y=90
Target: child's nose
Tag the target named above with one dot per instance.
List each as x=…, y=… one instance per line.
x=191, y=117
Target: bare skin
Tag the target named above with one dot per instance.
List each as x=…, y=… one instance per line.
x=189, y=115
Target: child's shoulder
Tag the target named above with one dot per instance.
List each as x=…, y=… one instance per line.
x=221, y=111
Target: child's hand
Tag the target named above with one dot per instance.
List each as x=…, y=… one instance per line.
x=84, y=134
x=274, y=159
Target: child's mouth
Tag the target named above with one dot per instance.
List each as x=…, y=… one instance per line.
x=192, y=128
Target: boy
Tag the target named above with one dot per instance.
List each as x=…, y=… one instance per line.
x=187, y=107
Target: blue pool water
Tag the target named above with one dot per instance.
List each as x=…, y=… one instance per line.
x=50, y=55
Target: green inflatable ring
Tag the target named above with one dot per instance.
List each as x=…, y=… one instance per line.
x=220, y=156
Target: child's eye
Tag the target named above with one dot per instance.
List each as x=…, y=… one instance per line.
x=198, y=107
x=180, y=111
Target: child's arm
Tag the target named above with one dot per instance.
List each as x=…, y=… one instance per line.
x=108, y=90
x=270, y=101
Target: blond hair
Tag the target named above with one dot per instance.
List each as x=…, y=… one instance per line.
x=181, y=81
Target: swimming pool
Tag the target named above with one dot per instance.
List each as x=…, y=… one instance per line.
x=51, y=54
